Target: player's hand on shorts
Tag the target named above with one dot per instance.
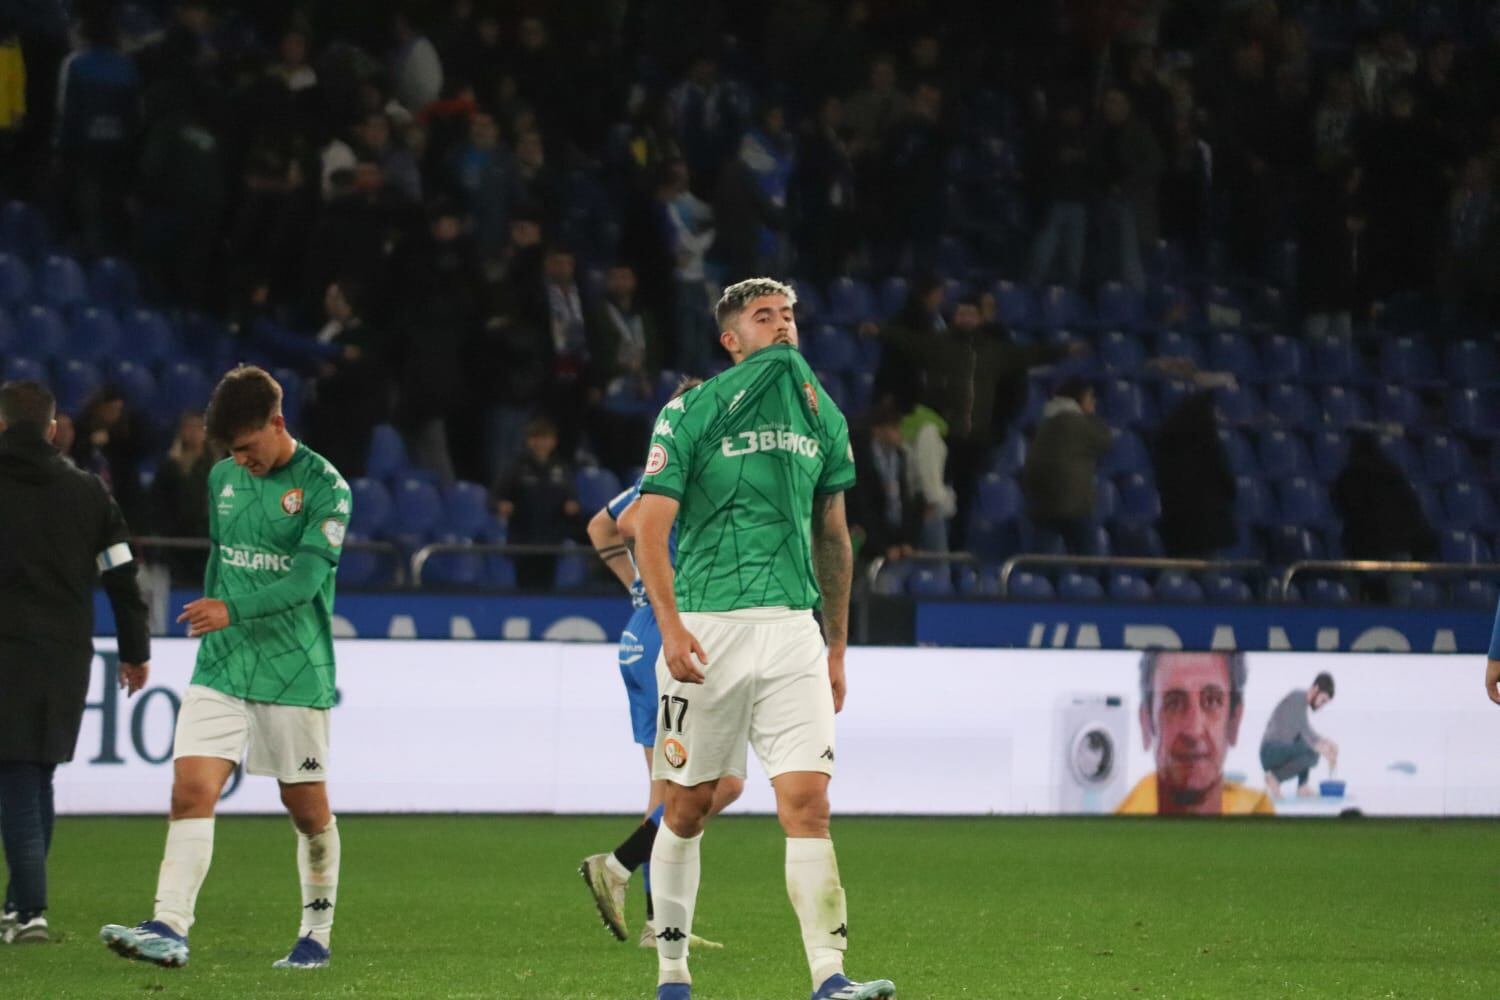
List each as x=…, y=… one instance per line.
x=838, y=680
x=204, y=615
x=679, y=646
x=133, y=677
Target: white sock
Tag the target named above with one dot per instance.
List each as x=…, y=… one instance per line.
x=674, y=892
x=812, y=883
x=318, y=868
x=184, y=866
x=613, y=864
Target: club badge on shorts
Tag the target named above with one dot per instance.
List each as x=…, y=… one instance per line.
x=675, y=752
x=812, y=396
x=291, y=501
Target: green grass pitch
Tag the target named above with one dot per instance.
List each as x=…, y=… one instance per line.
x=492, y=907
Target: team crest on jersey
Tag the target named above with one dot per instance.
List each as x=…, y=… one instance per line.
x=812, y=396
x=674, y=751
x=656, y=460
x=291, y=501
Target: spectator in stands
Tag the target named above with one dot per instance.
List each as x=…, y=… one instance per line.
x=512, y=361
x=111, y=443
x=1187, y=175
x=538, y=503
x=825, y=185
x=769, y=152
x=915, y=167
x=356, y=234
x=1130, y=162
x=573, y=373
x=1404, y=195
x=885, y=512
x=708, y=116
x=184, y=193
x=625, y=345
x=398, y=167
x=1068, y=179
x=904, y=339
x=1334, y=253
x=63, y=440
x=1059, y=476
x=874, y=111
x=534, y=181
x=1472, y=251
x=1382, y=515
x=1148, y=95
x=1335, y=122
x=689, y=223
x=98, y=122
x=415, y=67
x=269, y=232
x=1196, y=485
x=743, y=213
x=480, y=172
x=352, y=393
x=179, y=497
x=925, y=433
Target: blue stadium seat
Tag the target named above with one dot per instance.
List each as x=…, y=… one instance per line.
x=1175, y=344
x=930, y=581
x=1172, y=393
x=892, y=579
x=10, y=339
x=1333, y=360
x=145, y=336
x=1445, y=459
x=1164, y=260
x=1231, y=352
x=1241, y=456
x=1400, y=451
x=1121, y=353
x=1399, y=405
x=15, y=280
x=1283, y=455
x=1030, y=587
x=135, y=382
x=1472, y=411
x=1468, y=506
x=999, y=498
x=1281, y=359
x=861, y=394
x=1431, y=501
x=1330, y=449
x=850, y=302
x=1219, y=588
x=1293, y=543
x=1126, y=586
x=96, y=335
x=1014, y=304
x=466, y=509
x=74, y=382
x=18, y=368
x=1424, y=593
x=1344, y=407
x=23, y=231
x=1136, y=540
x=373, y=507
x=893, y=294
x=1289, y=405
x=61, y=283
x=1062, y=308
x=499, y=573
x=836, y=387
x=357, y=567
x=1139, y=502
x=1471, y=362
x=42, y=331
x=1106, y=500
x=1122, y=403
x=623, y=397
x=1459, y=546
x=1224, y=308
x=387, y=458
x=1322, y=591
x=833, y=349
x=1239, y=404
x=1477, y=594
x=1269, y=308
x=811, y=305
x=1250, y=504
x=452, y=569
x=418, y=512
x=868, y=351
x=1176, y=587
x=1120, y=307
x=972, y=582
x=1011, y=455
x=596, y=487
x=1169, y=304
x=1407, y=360
x=1077, y=587
x=112, y=283
x=1304, y=503
x=292, y=394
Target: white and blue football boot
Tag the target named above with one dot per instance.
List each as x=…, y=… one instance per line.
x=306, y=954
x=151, y=941
x=838, y=987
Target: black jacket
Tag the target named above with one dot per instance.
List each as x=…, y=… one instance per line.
x=869, y=505
x=58, y=526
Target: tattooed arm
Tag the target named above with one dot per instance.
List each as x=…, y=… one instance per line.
x=833, y=562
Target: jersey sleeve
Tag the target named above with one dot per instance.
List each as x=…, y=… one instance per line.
x=838, y=463
x=673, y=441
x=328, y=506
x=112, y=549
x=627, y=496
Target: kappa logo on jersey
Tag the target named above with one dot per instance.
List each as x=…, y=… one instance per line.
x=750, y=442
x=291, y=501
x=676, y=404
x=662, y=428
x=227, y=492
x=736, y=400
x=242, y=558
x=675, y=752
x=333, y=530
x=656, y=460
x=342, y=507
x=812, y=396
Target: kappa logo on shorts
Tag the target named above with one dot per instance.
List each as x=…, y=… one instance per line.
x=656, y=460
x=675, y=752
x=827, y=754
x=310, y=764
x=291, y=501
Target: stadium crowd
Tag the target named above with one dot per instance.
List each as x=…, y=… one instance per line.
x=493, y=224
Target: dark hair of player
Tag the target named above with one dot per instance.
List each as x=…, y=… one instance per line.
x=245, y=399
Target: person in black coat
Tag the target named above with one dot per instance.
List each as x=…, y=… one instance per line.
x=1382, y=515
x=885, y=514
x=59, y=529
x=1194, y=479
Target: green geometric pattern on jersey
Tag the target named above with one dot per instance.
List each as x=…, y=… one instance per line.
x=744, y=453
x=257, y=526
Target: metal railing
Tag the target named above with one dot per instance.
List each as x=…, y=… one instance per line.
x=1120, y=562
x=860, y=599
x=1372, y=566
x=419, y=558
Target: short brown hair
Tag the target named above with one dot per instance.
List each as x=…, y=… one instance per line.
x=737, y=296
x=245, y=399
x=27, y=404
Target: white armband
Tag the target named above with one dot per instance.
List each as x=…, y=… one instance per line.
x=114, y=557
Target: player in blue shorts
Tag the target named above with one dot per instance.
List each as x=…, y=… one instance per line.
x=608, y=875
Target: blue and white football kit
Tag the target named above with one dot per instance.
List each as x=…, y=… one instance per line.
x=640, y=642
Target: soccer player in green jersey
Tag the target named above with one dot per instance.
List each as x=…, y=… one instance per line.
x=264, y=681
x=751, y=467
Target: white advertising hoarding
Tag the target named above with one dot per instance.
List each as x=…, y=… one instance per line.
x=543, y=727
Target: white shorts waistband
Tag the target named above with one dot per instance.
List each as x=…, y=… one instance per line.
x=751, y=616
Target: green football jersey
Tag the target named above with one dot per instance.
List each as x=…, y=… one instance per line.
x=256, y=526
x=743, y=454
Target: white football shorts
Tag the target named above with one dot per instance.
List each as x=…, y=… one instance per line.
x=766, y=683
x=285, y=742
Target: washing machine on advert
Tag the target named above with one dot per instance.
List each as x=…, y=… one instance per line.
x=1090, y=734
